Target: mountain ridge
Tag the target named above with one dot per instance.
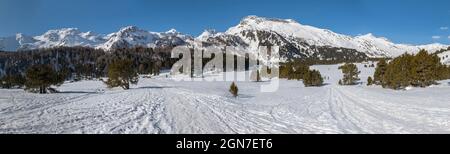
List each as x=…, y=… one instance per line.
x=369, y=43
x=296, y=39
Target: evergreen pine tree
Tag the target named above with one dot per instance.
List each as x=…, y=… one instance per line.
x=380, y=71
x=350, y=72
x=312, y=78
x=369, y=81
x=300, y=69
x=40, y=77
x=12, y=81
x=425, y=69
x=293, y=70
x=418, y=70
x=399, y=73
x=142, y=69
x=285, y=70
x=121, y=74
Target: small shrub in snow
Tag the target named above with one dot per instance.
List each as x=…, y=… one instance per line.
x=234, y=89
x=369, y=81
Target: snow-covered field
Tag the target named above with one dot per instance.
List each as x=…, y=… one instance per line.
x=162, y=105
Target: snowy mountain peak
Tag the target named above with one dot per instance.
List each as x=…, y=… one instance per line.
x=132, y=36
x=22, y=38
x=372, y=39
x=256, y=19
x=126, y=37
x=370, y=36
x=58, y=34
x=128, y=29
x=172, y=31
x=89, y=33
x=369, y=44
x=207, y=34
x=19, y=36
x=63, y=31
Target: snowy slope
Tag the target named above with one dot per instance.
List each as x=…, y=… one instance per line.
x=162, y=105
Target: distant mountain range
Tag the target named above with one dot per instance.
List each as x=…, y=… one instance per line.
x=126, y=37
x=295, y=40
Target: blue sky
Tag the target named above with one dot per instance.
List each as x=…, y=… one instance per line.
x=402, y=21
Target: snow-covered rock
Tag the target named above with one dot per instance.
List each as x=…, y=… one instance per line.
x=445, y=57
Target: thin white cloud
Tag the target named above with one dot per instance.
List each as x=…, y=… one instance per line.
x=448, y=37
x=436, y=37
x=444, y=28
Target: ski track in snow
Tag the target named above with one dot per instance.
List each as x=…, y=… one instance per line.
x=165, y=106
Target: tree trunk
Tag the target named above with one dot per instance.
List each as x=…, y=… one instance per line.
x=43, y=89
x=126, y=85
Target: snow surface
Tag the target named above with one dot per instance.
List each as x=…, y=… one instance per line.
x=163, y=105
